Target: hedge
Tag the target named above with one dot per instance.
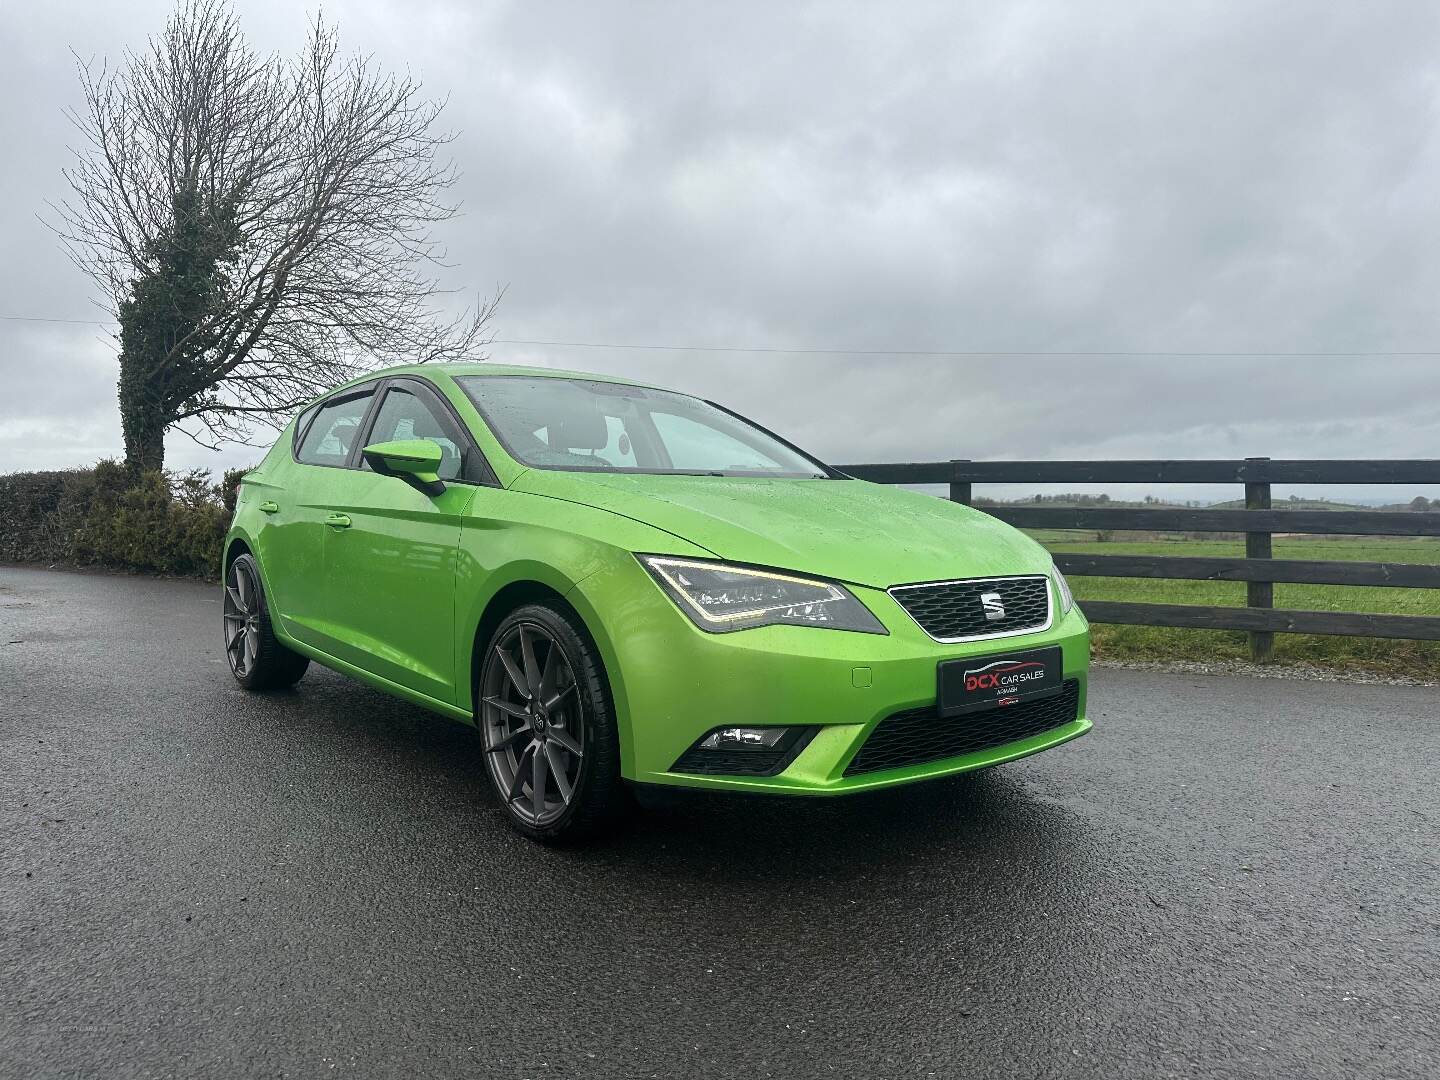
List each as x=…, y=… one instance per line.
x=162, y=523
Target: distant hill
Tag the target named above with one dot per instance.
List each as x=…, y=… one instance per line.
x=1419, y=503
x=1302, y=504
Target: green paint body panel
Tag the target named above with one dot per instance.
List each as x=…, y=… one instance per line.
x=396, y=597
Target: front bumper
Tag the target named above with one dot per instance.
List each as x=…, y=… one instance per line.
x=672, y=683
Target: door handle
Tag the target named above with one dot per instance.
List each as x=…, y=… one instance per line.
x=338, y=521
x=268, y=507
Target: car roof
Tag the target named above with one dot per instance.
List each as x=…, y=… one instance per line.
x=484, y=367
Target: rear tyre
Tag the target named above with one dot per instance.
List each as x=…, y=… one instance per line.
x=543, y=709
x=257, y=658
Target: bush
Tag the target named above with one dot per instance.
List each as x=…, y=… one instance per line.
x=163, y=523
x=30, y=526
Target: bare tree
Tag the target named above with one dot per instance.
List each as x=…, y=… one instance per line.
x=260, y=228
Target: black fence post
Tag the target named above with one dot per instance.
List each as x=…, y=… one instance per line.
x=1259, y=594
x=960, y=489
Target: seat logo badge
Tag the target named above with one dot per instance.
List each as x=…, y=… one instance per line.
x=994, y=606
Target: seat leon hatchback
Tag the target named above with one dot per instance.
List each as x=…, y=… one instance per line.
x=621, y=585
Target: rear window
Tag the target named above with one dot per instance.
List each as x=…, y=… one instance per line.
x=334, y=430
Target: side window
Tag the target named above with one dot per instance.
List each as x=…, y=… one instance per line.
x=333, y=431
x=301, y=423
x=407, y=415
x=692, y=445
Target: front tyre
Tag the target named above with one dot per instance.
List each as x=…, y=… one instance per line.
x=547, y=726
x=257, y=658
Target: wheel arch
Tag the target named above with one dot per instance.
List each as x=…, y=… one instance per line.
x=238, y=543
x=529, y=588
x=234, y=548
x=506, y=599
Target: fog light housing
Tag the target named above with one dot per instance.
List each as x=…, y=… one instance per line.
x=733, y=738
x=744, y=751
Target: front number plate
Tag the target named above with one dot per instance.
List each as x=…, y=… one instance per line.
x=992, y=682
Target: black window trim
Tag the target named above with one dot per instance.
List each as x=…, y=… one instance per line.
x=376, y=389
x=302, y=424
x=371, y=388
x=484, y=475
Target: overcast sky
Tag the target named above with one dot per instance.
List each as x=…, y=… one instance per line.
x=1046, y=177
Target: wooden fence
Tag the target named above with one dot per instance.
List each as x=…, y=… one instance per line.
x=1258, y=521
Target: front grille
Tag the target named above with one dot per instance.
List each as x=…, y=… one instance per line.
x=957, y=610
x=919, y=735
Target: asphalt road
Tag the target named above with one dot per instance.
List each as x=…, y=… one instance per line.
x=1228, y=877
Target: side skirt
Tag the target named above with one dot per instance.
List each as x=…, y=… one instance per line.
x=425, y=701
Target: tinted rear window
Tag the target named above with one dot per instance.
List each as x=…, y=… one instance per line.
x=333, y=431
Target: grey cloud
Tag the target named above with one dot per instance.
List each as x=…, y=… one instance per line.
x=1043, y=176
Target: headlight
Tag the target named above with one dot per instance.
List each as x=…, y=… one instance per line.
x=1062, y=587
x=720, y=598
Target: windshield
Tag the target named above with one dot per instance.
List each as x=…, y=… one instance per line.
x=555, y=423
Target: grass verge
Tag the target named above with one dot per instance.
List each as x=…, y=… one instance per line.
x=1380, y=656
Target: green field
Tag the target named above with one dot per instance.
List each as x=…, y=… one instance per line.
x=1377, y=655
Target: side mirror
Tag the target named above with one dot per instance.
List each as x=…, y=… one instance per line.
x=416, y=461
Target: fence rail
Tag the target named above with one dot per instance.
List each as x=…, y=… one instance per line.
x=1197, y=471
x=1259, y=522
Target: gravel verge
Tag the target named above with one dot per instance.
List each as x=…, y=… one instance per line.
x=1306, y=672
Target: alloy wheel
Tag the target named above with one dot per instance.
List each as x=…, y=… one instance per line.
x=532, y=723
x=242, y=619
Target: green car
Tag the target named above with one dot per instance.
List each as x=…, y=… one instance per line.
x=620, y=585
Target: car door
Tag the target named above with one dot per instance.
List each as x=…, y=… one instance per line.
x=390, y=564
x=291, y=541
